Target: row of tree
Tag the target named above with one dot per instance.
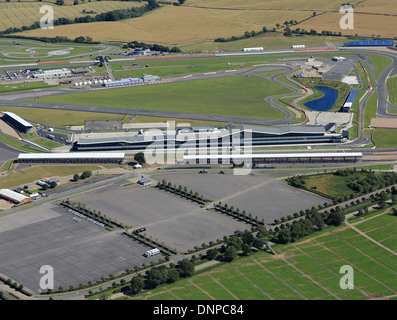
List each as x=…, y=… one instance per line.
x=235, y=212
x=313, y=222
x=182, y=191
x=246, y=35
x=162, y=274
x=150, y=242
x=15, y=285
x=86, y=174
x=152, y=47
x=80, y=207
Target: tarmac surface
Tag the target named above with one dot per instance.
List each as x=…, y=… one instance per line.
x=179, y=223
x=262, y=195
x=7, y=153
x=77, y=251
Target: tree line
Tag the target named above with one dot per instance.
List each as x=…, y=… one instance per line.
x=314, y=220
x=152, y=47
x=360, y=182
x=182, y=191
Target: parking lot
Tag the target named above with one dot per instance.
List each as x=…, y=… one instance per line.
x=177, y=222
x=78, y=251
x=262, y=195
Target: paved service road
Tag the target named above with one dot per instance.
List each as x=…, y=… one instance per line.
x=7, y=153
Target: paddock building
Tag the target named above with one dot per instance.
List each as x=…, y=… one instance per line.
x=209, y=137
x=258, y=159
x=72, y=157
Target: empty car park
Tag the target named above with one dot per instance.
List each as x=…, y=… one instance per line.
x=262, y=195
x=77, y=252
x=179, y=223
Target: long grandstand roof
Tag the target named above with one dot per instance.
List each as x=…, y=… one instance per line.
x=19, y=119
x=274, y=155
x=72, y=155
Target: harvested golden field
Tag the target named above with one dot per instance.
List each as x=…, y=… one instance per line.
x=319, y=5
x=378, y=6
x=172, y=25
x=18, y=14
x=66, y=2
x=364, y=24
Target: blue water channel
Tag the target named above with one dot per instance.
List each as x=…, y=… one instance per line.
x=324, y=103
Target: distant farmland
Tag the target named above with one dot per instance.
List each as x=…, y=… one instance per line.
x=364, y=24
x=271, y=4
x=18, y=14
x=202, y=21
x=194, y=24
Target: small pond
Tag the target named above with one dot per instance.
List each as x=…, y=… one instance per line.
x=324, y=103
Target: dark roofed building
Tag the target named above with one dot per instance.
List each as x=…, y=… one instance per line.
x=17, y=122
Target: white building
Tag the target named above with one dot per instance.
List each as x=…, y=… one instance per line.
x=298, y=46
x=13, y=196
x=43, y=74
x=253, y=49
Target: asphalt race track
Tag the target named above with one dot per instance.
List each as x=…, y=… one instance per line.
x=16, y=100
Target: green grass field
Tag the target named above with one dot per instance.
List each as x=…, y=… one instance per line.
x=329, y=184
x=22, y=87
x=305, y=270
x=19, y=177
x=380, y=62
x=46, y=143
x=233, y=96
x=19, y=145
x=60, y=118
x=270, y=41
x=370, y=109
x=385, y=138
x=165, y=72
x=392, y=89
x=334, y=185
